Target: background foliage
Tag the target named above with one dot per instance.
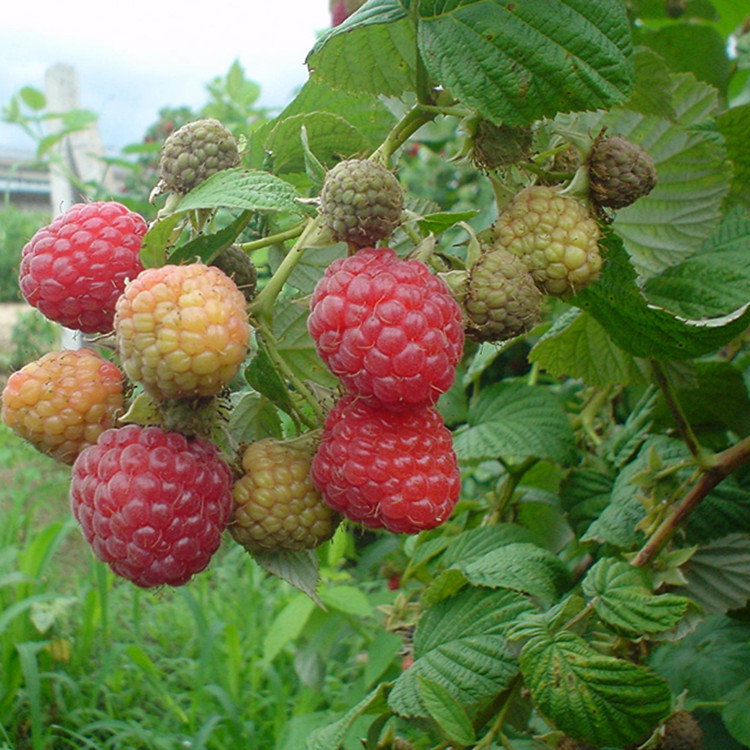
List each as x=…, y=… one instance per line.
x=593, y=578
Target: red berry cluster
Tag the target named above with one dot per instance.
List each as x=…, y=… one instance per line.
x=392, y=332
x=152, y=503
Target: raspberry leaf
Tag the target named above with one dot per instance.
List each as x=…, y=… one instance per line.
x=514, y=421
x=449, y=715
x=328, y=136
x=645, y=330
x=298, y=568
x=372, y=51
x=623, y=600
x=734, y=125
x=577, y=346
x=517, y=62
x=460, y=643
x=718, y=574
x=597, y=698
x=253, y=417
x=247, y=189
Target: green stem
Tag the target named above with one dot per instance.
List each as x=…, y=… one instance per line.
x=702, y=457
x=273, y=239
x=408, y=125
x=501, y=705
x=288, y=374
x=262, y=306
x=722, y=465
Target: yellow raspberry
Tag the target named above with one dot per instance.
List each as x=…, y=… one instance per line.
x=554, y=236
x=182, y=331
x=62, y=402
x=276, y=506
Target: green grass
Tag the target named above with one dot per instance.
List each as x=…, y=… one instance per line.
x=235, y=659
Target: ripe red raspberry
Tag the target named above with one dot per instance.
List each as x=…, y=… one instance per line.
x=182, y=331
x=388, y=328
x=152, y=504
x=62, y=402
x=74, y=269
x=392, y=470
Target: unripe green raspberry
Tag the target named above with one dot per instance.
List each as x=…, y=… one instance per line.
x=236, y=264
x=681, y=732
x=62, y=402
x=276, y=506
x=182, y=331
x=554, y=236
x=620, y=172
x=196, y=151
x=361, y=202
x=502, y=300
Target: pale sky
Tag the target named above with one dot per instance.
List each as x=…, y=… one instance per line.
x=134, y=57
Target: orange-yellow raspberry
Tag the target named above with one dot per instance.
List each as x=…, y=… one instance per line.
x=554, y=236
x=182, y=331
x=62, y=402
x=276, y=506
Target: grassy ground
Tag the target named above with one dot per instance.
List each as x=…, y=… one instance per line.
x=235, y=659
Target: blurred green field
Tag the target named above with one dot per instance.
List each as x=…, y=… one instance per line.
x=234, y=659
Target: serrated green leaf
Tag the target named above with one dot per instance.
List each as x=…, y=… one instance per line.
x=517, y=62
x=652, y=94
x=577, y=346
x=299, y=569
x=206, y=247
x=460, y=644
x=475, y=543
x=154, y=245
x=714, y=282
x=263, y=376
x=734, y=125
x=449, y=715
x=330, y=138
x=596, y=698
x=246, y=189
x=296, y=346
x=373, y=51
x=439, y=222
x=623, y=600
x=716, y=400
x=584, y=493
x=519, y=566
x=643, y=329
x=513, y=421
x=443, y=585
x=309, y=269
x=724, y=510
x=627, y=439
x=708, y=662
x=331, y=736
x=617, y=523
x=692, y=48
x=253, y=417
x=735, y=714
x=718, y=574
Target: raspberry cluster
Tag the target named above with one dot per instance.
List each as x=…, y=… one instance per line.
x=392, y=332
x=152, y=501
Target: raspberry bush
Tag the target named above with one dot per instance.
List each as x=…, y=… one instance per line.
x=489, y=373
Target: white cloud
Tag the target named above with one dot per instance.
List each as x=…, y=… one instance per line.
x=134, y=58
